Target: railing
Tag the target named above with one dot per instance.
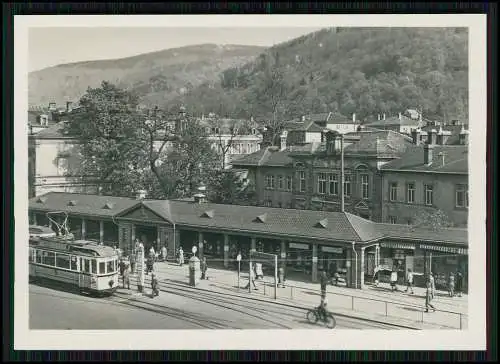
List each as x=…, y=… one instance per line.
x=383, y=307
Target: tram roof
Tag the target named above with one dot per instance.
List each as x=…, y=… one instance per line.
x=320, y=225
x=59, y=243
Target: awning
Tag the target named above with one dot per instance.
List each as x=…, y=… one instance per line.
x=445, y=249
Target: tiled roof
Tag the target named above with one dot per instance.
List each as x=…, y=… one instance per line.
x=455, y=157
x=267, y=156
x=54, y=131
x=331, y=226
x=336, y=118
x=394, y=120
x=309, y=126
x=102, y=206
x=378, y=142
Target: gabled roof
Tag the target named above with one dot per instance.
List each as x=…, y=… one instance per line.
x=85, y=204
x=394, y=120
x=269, y=156
x=336, y=118
x=302, y=224
x=455, y=157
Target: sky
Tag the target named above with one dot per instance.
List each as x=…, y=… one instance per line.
x=50, y=46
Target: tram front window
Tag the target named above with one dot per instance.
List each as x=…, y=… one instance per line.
x=102, y=267
x=110, y=267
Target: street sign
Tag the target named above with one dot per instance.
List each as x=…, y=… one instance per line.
x=238, y=258
x=194, y=249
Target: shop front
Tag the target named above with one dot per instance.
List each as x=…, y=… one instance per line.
x=299, y=261
x=333, y=260
x=399, y=256
x=444, y=261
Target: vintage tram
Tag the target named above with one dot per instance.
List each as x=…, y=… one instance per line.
x=84, y=264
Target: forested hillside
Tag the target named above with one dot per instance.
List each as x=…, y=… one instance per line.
x=156, y=77
x=362, y=70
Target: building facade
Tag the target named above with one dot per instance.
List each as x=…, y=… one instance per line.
x=304, y=241
x=308, y=176
x=428, y=179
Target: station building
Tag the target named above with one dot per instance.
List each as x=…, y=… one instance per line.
x=305, y=241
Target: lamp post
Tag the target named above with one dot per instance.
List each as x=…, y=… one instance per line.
x=339, y=147
x=355, y=265
x=238, y=258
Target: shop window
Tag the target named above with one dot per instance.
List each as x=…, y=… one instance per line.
x=393, y=219
x=333, y=184
x=365, y=190
x=410, y=193
x=462, y=196
x=393, y=191
x=428, y=194
x=302, y=181
x=322, y=183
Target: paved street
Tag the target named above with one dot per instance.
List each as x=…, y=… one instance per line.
x=177, y=307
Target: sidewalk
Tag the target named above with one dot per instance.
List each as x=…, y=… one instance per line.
x=376, y=303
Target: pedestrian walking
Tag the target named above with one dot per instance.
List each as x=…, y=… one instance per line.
x=203, y=268
x=433, y=285
x=154, y=285
x=251, y=278
x=259, y=274
x=428, y=297
x=121, y=265
x=394, y=280
x=126, y=277
x=451, y=285
x=181, y=256
x=132, y=258
x=281, y=277
x=164, y=253
x=323, y=282
x=459, y=283
x=409, y=281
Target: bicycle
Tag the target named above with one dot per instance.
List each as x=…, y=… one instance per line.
x=313, y=315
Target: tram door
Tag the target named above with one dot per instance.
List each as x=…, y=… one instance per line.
x=85, y=269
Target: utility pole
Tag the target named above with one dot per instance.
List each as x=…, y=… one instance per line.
x=342, y=177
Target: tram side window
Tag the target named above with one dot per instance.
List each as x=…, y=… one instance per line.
x=74, y=264
x=110, y=267
x=38, y=256
x=32, y=255
x=62, y=261
x=85, y=265
x=102, y=267
x=49, y=258
x=94, y=266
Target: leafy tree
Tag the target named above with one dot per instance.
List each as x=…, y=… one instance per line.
x=228, y=187
x=109, y=131
x=434, y=219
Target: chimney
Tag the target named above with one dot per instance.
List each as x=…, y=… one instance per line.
x=69, y=106
x=431, y=136
x=52, y=106
x=415, y=134
x=140, y=195
x=200, y=196
x=283, y=138
x=428, y=154
x=353, y=117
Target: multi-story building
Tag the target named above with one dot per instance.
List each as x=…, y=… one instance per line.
x=427, y=178
x=402, y=123
x=308, y=176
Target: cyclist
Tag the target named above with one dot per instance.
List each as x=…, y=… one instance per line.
x=322, y=308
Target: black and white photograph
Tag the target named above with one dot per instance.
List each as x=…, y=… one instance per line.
x=256, y=182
